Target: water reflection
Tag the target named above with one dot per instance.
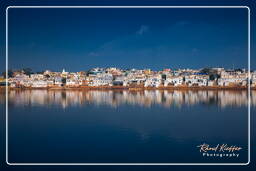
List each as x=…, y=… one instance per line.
x=145, y=98
x=146, y=126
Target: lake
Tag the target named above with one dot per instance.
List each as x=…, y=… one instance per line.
x=150, y=126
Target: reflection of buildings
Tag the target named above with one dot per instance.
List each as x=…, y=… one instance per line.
x=142, y=98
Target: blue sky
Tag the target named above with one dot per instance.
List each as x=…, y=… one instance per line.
x=79, y=39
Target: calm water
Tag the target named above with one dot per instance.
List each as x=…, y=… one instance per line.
x=122, y=126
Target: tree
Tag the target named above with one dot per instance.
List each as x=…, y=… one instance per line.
x=164, y=76
x=206, y=71
x=10, y=73
x=40, y=72
x=212, y=77
x=47, y=76
x=64, y=80
x=239, y=70
x=213, y=74
x=27, y=71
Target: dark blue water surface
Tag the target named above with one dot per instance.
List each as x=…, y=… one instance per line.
x=124, y=126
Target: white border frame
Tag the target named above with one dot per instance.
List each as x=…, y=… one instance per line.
x=249, y=103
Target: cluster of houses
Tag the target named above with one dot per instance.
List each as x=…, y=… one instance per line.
x=98, y=77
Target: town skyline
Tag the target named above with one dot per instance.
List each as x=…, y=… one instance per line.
x=130, y=78
x=29, y=71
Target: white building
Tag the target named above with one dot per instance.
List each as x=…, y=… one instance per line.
x=37, y=76
x=152, y=82
x=253, y=79
x=232, y=81
x=175, y=81
x=39, y=84
x=196, y=80
x=102, y=80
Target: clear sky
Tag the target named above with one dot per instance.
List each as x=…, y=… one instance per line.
x=79, y=39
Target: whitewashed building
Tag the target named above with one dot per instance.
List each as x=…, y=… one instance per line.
x=39, y=84
x=37, y=76
x=175, y=81
x=71, y=82
x=232, y=81
x=196, y=80
x=102, y=80
x=153, y=82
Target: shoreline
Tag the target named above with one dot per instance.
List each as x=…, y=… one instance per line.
x=139, y=88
